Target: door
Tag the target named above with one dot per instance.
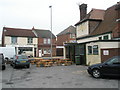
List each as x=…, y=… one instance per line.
x=112, y=66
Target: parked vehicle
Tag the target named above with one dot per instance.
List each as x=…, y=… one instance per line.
x=20, y=61
x=2, y=62
x=28, y=53
x=8, y=52
x=110, y=67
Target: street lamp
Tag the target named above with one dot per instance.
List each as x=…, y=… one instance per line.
x=51, y=27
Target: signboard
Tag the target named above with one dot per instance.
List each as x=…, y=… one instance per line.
x=105, y=52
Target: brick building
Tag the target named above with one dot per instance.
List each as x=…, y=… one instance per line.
x=98, y=35
x=44, y=43
x=66, y=36
x=35, y=42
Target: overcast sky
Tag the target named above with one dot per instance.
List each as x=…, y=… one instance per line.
x=29, y=13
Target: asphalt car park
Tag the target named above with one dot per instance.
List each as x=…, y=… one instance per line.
x=73, y=76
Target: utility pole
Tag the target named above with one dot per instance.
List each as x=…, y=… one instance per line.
x=51, y=27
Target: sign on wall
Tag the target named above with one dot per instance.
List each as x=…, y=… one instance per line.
x=105, y=52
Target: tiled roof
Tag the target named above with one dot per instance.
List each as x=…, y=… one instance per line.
x=18, y=32
x=94, y=14
x=44, y=33
x=109, y=23
x=70, y=29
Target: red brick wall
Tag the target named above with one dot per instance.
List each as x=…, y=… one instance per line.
x=62, y=38
x=41, y=41
x=112, y=52
x=41, y=45
x=59, y=51
x=53, y=52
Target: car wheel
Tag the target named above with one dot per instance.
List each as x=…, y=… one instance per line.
x=11, y=65
x=96, y=73
x=3, y=67
x=28, y=66
x=14, y=66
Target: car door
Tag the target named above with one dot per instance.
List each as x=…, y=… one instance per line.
x=111, y=67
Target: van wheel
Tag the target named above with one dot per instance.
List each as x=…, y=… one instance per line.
x=96, y=73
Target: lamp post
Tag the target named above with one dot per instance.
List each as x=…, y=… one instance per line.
x=51, y=27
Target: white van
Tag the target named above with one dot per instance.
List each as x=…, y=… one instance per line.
x=8, y=52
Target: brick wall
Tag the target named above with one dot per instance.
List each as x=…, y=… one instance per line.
x=42, y=46
x=59, y=51
x=62, y=38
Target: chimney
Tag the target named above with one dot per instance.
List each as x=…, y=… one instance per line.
x=83, y=10
x=33, y=28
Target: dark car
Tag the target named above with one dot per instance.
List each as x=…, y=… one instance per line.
x=110, y=67
x=2, y=62
x=20, y=61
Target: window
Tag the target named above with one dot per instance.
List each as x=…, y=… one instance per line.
x=100, y=38
x=13, y=40
x=30, y=40
x=72, y=35
x=105, y=37
x=24, y=49
x=47, y=41
x=95, y=49
x=89, y=49
x=47, y=51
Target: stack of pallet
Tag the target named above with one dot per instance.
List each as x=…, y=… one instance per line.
x=44, y=63
x=34, y=60
x=65, y=62
x=50, y=62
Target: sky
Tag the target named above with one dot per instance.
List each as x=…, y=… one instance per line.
x=28, y=13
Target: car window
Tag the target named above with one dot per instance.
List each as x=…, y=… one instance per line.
x=22, y=57
x=114, y=60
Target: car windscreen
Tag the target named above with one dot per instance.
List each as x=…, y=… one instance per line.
x=111, y=60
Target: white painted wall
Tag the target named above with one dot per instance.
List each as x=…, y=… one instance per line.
x=7, y=40
x=93, y=38
x=20, y=40
x=104, y=45
x=87, y=39
x=94, y=59
x=82, y=29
